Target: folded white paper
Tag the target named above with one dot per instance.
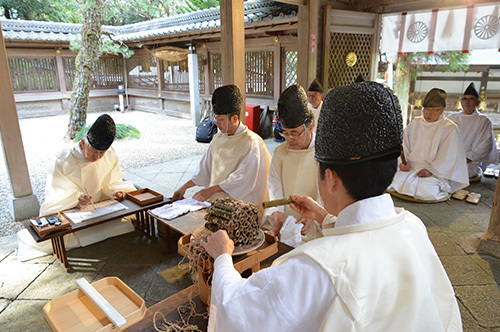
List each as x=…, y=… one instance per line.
x=178, y=208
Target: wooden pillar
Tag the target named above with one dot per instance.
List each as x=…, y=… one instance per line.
x=233, y=46
x=23, y=204
x=65, y=105
x=303, y=52
x=308, y=39
x=161, y=82
x=277, y=70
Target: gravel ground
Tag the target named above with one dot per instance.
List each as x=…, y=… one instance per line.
x=163, y=138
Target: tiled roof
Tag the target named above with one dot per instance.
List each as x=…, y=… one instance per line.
x=255, y=11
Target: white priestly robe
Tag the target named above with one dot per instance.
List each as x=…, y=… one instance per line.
x=437, y=147
x=69, y=178
x=375, y=271
x=293, y=172
x=239, y=164
x=478, y=138
x=316, y=112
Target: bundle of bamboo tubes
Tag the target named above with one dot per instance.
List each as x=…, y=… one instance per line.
x=239, y=219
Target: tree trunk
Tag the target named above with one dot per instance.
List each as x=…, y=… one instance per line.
x=88, y=55
x=402, y=86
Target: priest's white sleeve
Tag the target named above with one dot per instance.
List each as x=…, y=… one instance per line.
x=250, y=173
x=60, y=193
x=484, y=143
x=201, y=176
x=275, y=188
x=292, y=296
x=116, y=182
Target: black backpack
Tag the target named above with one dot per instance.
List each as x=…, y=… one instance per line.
x=207, y=127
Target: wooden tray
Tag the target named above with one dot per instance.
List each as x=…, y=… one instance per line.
x=48, y=229
x=75, y=311
x=144, y=196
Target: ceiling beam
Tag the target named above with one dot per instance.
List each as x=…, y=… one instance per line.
x=294, y=2
x=397, y=6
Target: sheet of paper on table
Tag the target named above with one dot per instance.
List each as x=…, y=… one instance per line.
x=172, y=210
x=101, y=208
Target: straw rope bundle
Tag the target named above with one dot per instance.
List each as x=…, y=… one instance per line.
x=241, y=221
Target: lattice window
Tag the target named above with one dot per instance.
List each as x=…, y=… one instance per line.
x=291, y=61
x=108, y=73
x=341, y=44
x=176, y=75
x=259, y=73
x=142, y=72
x=217, y=68
x=34, y=74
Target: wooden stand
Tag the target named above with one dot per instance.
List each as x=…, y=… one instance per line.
x=249, y=261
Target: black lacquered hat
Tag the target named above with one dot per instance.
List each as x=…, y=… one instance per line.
x=359, y=122
x=227, y=99
x=471, y=90
x=435, y=98
x=293, y=110
x=102, y=133
x=315, y=86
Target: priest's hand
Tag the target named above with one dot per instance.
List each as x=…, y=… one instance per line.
x=277, y=224
x=218, y=243
x=308, y=207
x=307, y=225
x=179, y=194
x=424, y=173
x=84, y=201
x=119, y=194
x=206, y=193
x=404, y=167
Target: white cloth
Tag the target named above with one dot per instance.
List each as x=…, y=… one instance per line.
x=403, y=287
x=316, y=112
x=478, y=138
x=178, y=208
x=69, y=178
x=437, y=147
x=239, y=164
x=290, y=232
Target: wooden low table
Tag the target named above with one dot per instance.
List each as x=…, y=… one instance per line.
x=144, y=223
x=168, y=307
x=182, y=225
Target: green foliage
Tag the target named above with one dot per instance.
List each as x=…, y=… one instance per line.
x=446, y=61
x=117, y=12
x=41, y=10
x=194, y=5
x=108, y=46
x=122, y=131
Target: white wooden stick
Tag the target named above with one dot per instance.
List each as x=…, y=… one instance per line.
x=114, y=316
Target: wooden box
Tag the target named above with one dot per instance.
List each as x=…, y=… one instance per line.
x=75, y=311
x=48, y=229
x=250, y=260
x=144, y=196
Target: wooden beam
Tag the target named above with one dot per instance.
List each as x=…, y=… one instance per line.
x=294, y=2
x=396, y=6
x=233, y=51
